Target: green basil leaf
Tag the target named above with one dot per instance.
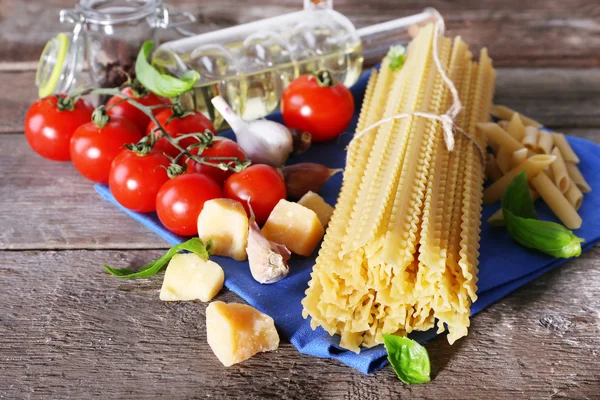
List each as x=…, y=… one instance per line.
x=548, y=237
x=161, y=84
x=194, y=245
x=525, y=228
x=396, y=56
x=517, y=198
x=409, y=359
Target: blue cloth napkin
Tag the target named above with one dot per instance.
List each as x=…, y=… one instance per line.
x=504, y=265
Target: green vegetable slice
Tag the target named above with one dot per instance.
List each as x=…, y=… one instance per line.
x=409, y=359
x=545, y=236
x=194, y=245
x=161, y=84
x=396, y=56
x=524, y=227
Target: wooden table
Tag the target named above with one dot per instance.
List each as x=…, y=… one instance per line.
x=69, y=330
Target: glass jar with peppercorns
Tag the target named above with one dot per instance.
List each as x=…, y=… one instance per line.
x=102, y=48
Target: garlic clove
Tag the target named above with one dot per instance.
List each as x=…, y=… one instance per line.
x=306, y=177
x=267, y=259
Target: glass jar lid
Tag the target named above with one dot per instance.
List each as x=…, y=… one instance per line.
x=61, y=60
x=108, y=12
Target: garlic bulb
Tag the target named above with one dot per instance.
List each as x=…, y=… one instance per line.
x=264, y=141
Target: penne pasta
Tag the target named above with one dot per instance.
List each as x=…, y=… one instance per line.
x=500, y=136
x=516, y=127
x=544, y=142
x=503, y=124
x=518, y=157
x=548, y=171
x=506, y=113
x=565, y=148
x=557, y=202
x=491, y=168
x=532, y=167
x=574, y=196
x=497, y=218
x=531, y=138
x=560, y=176
x=577, y=178
x=494, y=146
x=504, y=160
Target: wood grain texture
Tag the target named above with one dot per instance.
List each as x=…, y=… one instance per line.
x=69, y=330
x=559, y=98
x=552, y=33
x=48, y=205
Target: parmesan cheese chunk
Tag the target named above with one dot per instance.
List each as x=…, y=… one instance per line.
x=226, y=223
x=294, y=226
x=235, y=332
x=314, y=202
x=189, y=277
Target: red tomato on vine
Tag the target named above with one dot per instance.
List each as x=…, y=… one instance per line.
x=50, y=123
x=259, y=184
x=219, y=148
x=189, y=122
x=94, y=148
x=181, y=199
x=135, y=178
x=317, y=104
x=117, y=106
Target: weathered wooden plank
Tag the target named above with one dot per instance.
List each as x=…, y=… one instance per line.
x=48, y=205
x=15, y=101
x=68, y=330
x=556, y=97
x=533, y=33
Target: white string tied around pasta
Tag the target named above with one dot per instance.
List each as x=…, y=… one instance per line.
x=447, y=119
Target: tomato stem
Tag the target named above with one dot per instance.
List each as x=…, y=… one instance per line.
x=324, y=78
x=99, y=117
x=174, y=169
x=136, y=87
x=66, y=103
x=179, y=111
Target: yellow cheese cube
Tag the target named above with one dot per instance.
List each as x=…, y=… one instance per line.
x=235, y=332
x=294, y=226
x=189, y=277
x=226, y=223
x=314, y=202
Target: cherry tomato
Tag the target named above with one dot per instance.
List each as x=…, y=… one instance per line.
x=49, y=125
x=93, y=149
x=316, y=104
x=135, y=179
x=219, y=148
x=261, y=185
x=180, y=200
x=189, y=123
x=118, y=107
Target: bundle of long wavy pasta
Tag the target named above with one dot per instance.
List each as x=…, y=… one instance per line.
x=401, y=249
